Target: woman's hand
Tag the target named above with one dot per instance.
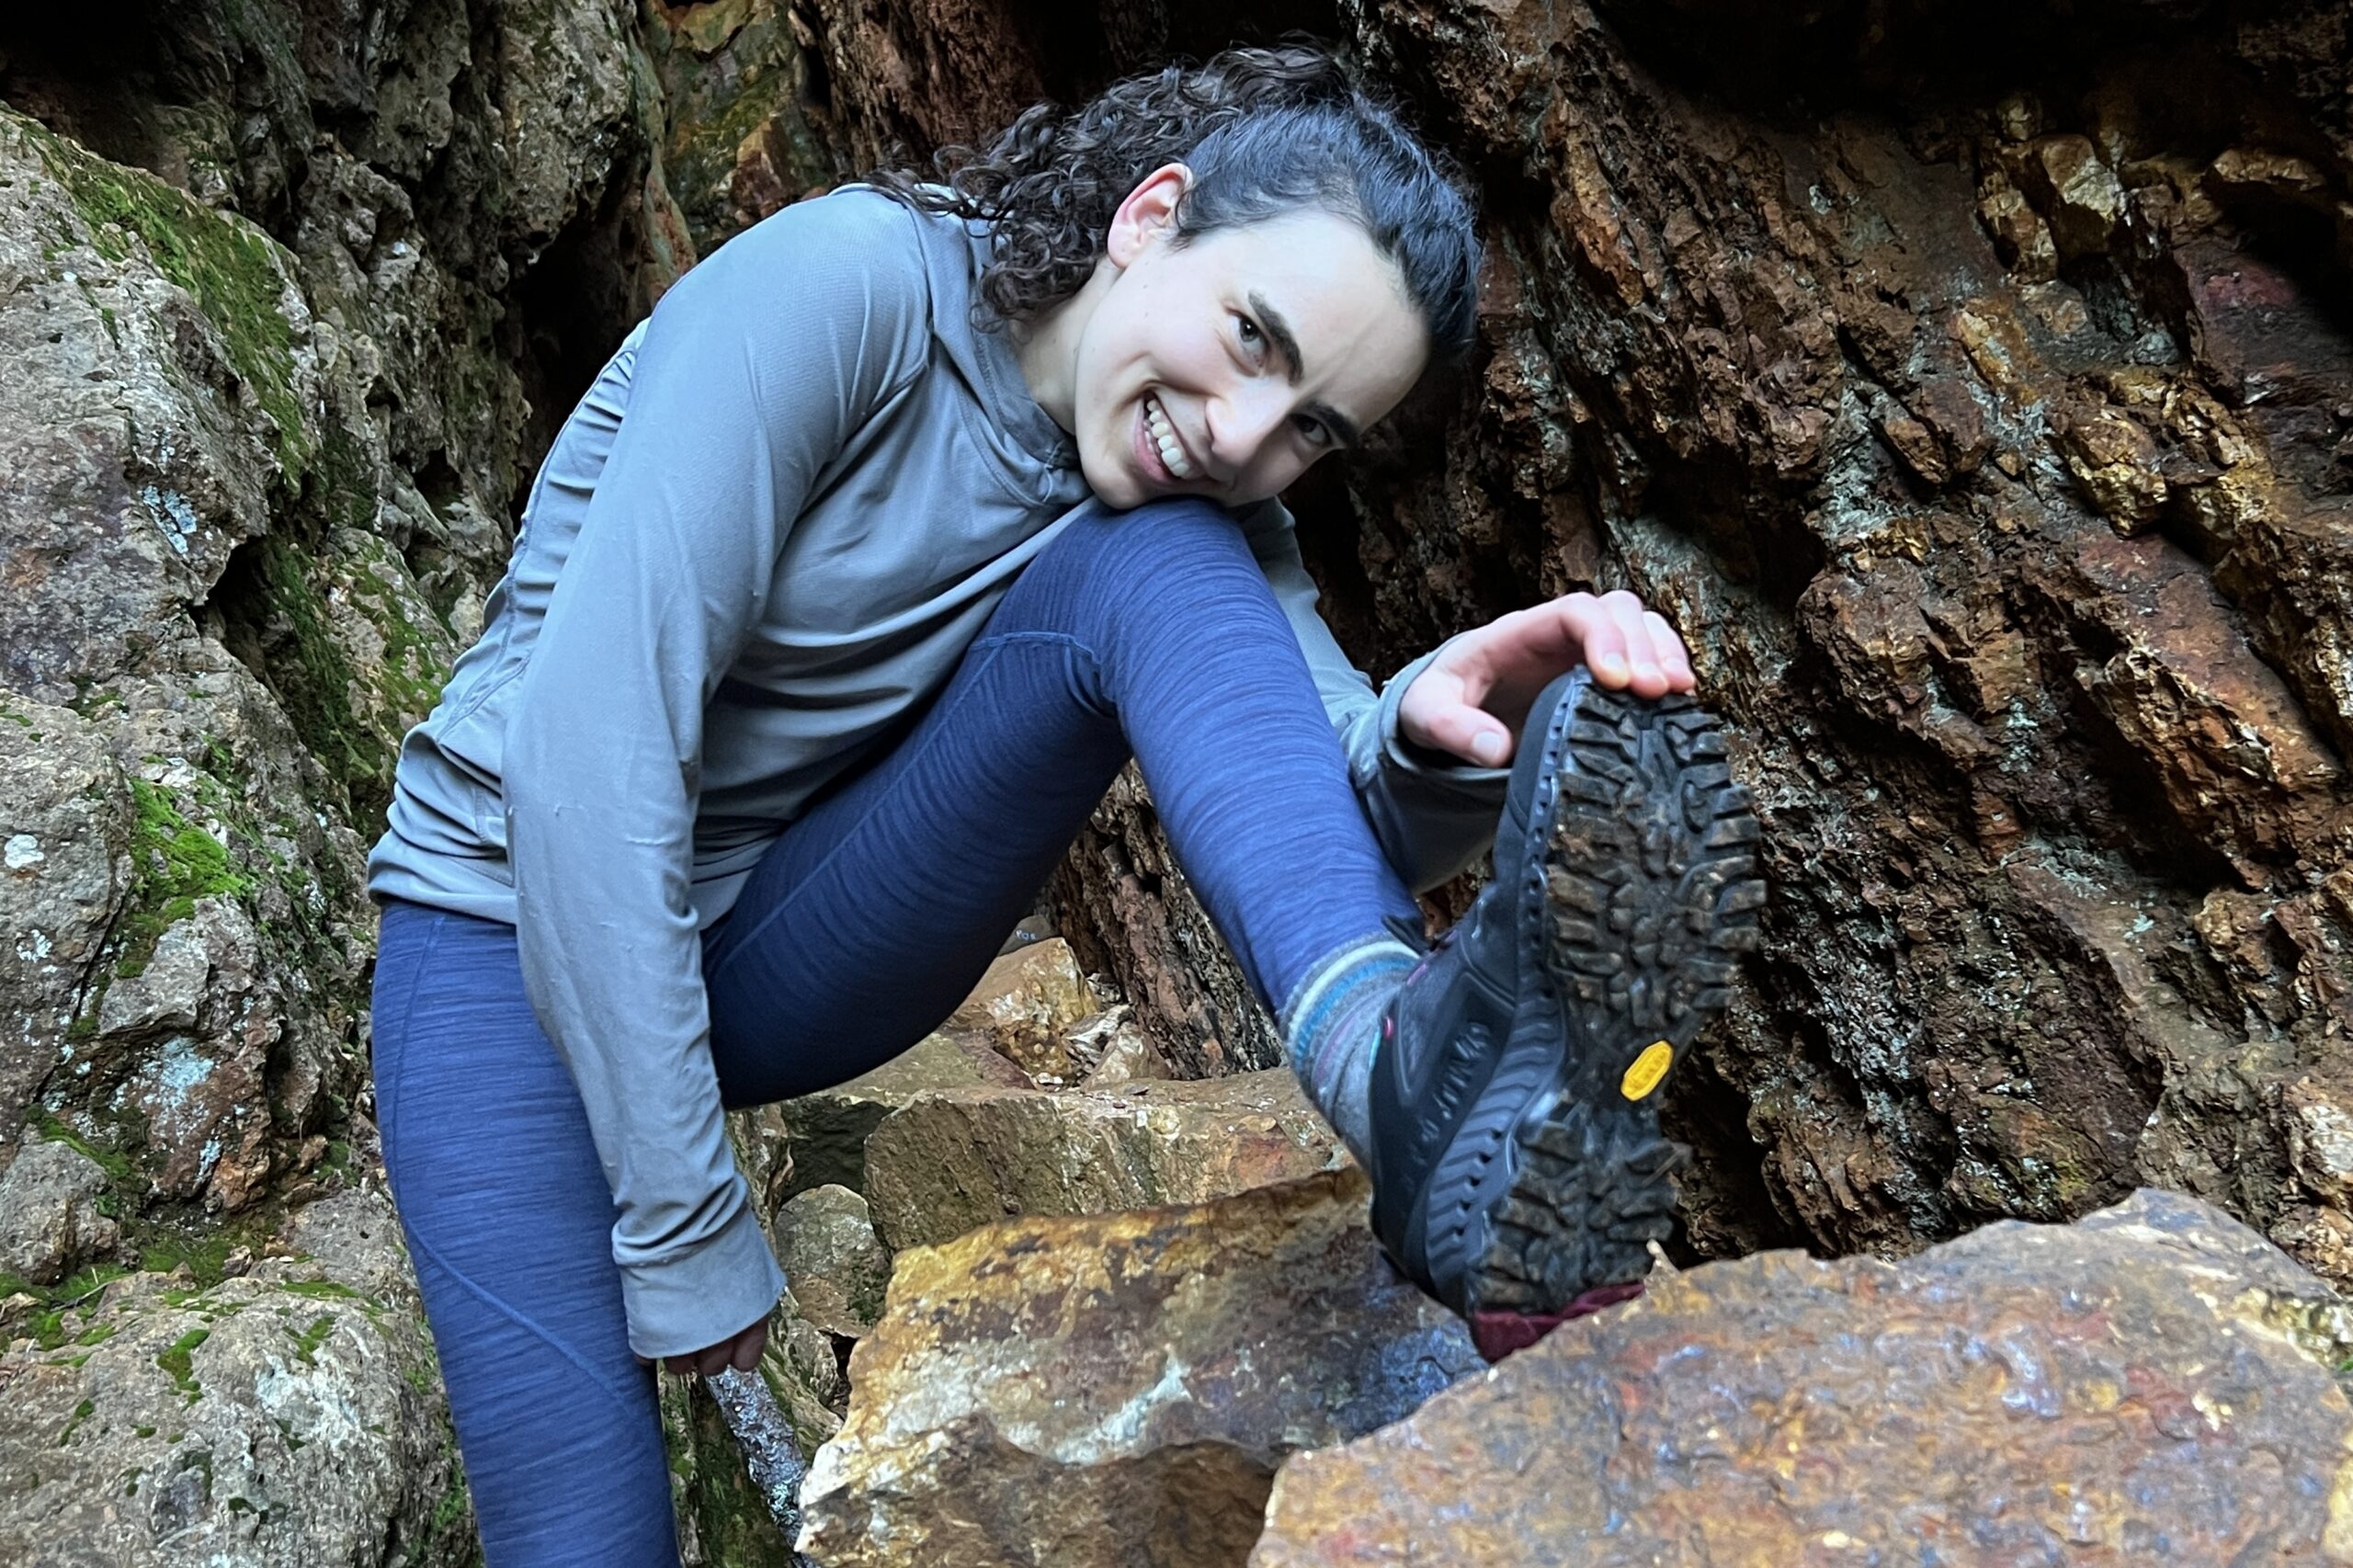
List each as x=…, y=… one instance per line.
x=741, y=1351
x=1474, y=696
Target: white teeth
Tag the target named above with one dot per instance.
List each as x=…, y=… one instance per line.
x=1164, y=437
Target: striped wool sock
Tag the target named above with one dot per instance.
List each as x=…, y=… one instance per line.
x=1332, y=1025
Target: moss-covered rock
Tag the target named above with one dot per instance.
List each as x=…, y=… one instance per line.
x=742, y=139
x=282, y=1417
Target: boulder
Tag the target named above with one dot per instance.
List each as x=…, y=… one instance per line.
x=52, y=1215
x=1114, y=1049
x=1028, y=1004
x=820, y=1139
x=1115, y=1390
x=947, y=1162
x=2151, y=1385
x=835, y=1269
x=281, y=1418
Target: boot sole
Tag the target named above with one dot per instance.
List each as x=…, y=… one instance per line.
x=1635, y=912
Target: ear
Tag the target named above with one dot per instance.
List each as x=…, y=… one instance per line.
x=1148, y=212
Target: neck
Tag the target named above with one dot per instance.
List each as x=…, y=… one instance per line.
x=1047, y=348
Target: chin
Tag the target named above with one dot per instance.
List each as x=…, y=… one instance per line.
x=1113, y=484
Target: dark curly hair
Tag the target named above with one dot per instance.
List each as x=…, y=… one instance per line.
x=1266, y=132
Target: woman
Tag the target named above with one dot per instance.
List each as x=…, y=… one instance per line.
x=842, y=596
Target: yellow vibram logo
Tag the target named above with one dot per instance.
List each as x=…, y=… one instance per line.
x=1648, y=1069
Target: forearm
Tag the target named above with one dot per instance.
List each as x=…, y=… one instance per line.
x=611, y=963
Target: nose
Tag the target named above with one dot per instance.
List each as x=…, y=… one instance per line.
x=1240, y=421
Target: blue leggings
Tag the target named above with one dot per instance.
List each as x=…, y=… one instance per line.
x=1152, y=631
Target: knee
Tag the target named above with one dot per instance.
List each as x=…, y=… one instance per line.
x=1177, y=540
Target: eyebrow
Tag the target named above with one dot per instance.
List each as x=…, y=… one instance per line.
x=1272, y=319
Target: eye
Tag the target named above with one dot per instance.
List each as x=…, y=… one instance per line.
x=1315, y=430
x=1247, y=330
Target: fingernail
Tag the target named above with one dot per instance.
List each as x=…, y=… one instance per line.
x=1488, y=748
x=1610, y=665
x=1646, y=672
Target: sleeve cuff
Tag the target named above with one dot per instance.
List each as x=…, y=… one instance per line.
x=693, y=1301
x=1431, y=770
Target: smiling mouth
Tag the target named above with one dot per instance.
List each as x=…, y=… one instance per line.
x=1162, y=436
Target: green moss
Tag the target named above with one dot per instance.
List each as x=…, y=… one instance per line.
x=227, y=266
x=307, y=1342
x=451, y=1506
x=177, y=1361
x=316, y=682
x=173, y=863
x=53, y=1321
x=82, y=1413
x=116, y=1166
x=203, y=1247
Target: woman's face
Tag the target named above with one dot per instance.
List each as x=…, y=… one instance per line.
x=1222, y=367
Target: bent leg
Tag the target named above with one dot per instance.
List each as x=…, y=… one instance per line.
x=509, y=1219
x=875, y=914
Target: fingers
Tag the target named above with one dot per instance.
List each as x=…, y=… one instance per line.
x=1627, y=645
x=1441, y=711
x=740, y=1351
x=1673, y=657
x=1468, y=702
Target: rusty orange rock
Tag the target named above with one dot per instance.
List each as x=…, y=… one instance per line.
x=950, y=1161
x=1116, y=1391
x=2152, y=1384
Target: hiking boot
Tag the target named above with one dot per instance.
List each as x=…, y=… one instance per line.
x=1518, y=1168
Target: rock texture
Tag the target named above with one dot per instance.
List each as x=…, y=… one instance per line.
x=290, y=1417
x=835, y=1269
x=820, y=1139
x=947, y=1162
x=1028, y=1004
x=272, y=274
x=1116, y=1391
x=2152, y=1384
x=294, y=290
x=1968, y=388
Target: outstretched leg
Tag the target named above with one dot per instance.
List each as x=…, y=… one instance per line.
x=1501, y=1091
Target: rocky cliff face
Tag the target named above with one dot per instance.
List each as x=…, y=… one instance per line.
x=1972, y=385
x=1973, y=389
x=292, y=294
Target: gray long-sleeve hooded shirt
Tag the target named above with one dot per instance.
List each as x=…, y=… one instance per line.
x=772, y=527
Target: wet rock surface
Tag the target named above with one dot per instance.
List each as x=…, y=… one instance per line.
x=724, y=1519
x=2153, y=1384
x=1116, y=1391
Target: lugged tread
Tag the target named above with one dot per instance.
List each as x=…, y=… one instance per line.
x=1652, y=895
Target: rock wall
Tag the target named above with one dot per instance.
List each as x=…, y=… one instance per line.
x=292, y=294
x=1975, y=391
x=1973, y=388
x=1972, y=385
